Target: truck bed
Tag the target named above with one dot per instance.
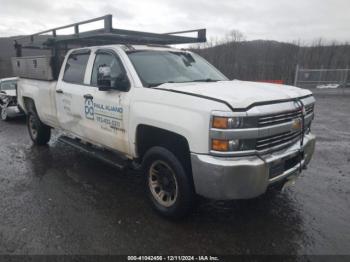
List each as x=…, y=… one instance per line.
x=43, y=93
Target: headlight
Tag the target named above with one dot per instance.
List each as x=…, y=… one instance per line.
x=224, y=145
x=232, y=145
x=220, y=145
x=223, y=122
x=227, y=122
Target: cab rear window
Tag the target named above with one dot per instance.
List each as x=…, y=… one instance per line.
x=74, y=71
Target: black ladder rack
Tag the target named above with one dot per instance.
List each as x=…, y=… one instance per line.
x=104, y=36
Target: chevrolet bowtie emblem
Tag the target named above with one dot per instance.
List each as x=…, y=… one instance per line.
x=296, y=125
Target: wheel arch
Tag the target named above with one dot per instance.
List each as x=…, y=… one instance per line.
x=148, y=136
x=29, y=104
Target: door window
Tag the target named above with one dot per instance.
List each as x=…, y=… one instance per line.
x=74, y=71
x=106, y=59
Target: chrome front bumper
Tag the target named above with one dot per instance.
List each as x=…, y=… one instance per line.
x=224, y=178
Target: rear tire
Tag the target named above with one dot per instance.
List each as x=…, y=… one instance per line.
x=38, y=131
x=168, y=186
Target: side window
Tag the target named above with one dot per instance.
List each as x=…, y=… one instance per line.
x=105, y=59
x=74, y=71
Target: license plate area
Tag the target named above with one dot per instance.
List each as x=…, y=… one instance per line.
x=277, y=168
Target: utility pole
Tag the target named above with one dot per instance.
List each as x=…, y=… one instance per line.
x=345, y=80
x=296, y=75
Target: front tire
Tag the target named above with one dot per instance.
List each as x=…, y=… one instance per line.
x=169, y=187
x=38, y=131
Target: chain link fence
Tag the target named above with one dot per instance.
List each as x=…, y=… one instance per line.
x=322, y=78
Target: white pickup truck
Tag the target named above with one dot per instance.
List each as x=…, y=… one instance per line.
x=172, y=113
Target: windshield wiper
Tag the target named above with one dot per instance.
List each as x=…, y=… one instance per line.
x=154, y=84
x=205, y=80
x=197, y=80
x=158, y=84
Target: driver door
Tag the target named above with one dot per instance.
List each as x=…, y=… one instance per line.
x=108, y=111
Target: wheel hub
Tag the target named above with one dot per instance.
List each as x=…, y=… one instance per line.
x=162, y=183
x=33, y=127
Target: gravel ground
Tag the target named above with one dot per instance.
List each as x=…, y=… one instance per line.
x=55, y=200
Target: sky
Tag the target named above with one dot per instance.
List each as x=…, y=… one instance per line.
x=281, y=20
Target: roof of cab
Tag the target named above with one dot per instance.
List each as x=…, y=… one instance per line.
x=127, y=48
x=149, y=47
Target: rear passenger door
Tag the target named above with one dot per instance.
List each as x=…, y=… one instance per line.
x=70, y=92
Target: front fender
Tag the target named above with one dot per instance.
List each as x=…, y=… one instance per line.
x=185, y=115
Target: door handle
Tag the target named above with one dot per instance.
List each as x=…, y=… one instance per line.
x=59, y=91
x=88, y=96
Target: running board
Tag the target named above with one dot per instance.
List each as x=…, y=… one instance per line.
x=106, y=156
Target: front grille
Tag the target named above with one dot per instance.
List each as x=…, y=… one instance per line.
x=269, y=128
x=277, y=140
x=284, y=117
x=279, y=118
x=309, y=109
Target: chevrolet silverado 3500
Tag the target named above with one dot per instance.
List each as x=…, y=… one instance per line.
x=170, y=112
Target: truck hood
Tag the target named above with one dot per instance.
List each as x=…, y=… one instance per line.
x=239, y=94
x=9, y=93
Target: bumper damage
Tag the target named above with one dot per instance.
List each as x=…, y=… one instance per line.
x=248, y=177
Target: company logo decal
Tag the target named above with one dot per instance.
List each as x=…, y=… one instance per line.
x=89, y=109
x=108, y=117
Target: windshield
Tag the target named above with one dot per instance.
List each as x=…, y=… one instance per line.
x=8, y=85
x=158, y=67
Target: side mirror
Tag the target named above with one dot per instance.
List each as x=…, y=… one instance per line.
x=106, y=82
x=121, y=83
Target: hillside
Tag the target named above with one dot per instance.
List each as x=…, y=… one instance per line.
x=267, y=60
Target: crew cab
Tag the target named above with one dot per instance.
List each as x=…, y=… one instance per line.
x=191, y=129
x=171, y=114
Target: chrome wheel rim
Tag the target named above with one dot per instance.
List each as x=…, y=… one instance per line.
x=162, y=183
x=3, y=114
x=32, y=127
